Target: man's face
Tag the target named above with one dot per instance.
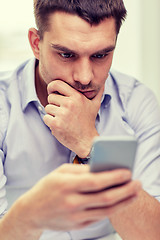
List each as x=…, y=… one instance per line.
x=77, y=53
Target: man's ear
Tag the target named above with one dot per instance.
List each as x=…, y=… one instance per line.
x=34, y=40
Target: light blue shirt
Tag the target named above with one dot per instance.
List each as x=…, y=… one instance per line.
x=28, y=151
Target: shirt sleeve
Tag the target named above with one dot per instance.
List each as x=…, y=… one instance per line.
x=3, y=179
x=144, y=117
x=3, y=200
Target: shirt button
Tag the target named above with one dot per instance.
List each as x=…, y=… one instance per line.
x=40, y=108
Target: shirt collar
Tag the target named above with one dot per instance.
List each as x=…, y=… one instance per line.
x=106, y=97
x=26, y=78
x=107, y=91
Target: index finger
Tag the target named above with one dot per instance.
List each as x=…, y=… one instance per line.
x=73, y=168
x=99, y=181
x=61, y=87
x=92, y=182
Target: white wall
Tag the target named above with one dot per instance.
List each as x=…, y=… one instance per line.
x=16, y=16
x=150, y=43
x=138, y=48
x=127, y=56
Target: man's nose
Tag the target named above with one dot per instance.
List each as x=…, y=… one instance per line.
x=83, y=72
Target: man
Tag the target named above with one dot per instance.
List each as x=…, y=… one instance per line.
x=51, y=109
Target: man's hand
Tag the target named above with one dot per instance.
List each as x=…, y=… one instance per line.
x=71, y=117
x=71, y=198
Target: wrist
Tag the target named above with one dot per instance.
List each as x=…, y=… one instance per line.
x=84, y=152
x=16, y=224
x=26, y=217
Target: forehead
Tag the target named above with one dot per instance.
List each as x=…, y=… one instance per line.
x=73, y=32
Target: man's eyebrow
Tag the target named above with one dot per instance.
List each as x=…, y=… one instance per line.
x=65, y=49
x=105, y=50
x=61, y=48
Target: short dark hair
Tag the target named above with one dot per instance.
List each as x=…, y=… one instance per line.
x=92, y=11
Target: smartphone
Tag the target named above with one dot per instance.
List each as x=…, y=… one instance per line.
x=113, y=152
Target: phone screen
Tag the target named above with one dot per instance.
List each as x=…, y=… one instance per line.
x=113, y=152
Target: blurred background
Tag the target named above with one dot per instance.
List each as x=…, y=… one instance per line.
x=138, y=46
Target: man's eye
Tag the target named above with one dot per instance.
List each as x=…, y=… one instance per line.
x=66, y=55
x=99, y=56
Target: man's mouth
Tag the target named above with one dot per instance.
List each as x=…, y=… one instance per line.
x=89, y=94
